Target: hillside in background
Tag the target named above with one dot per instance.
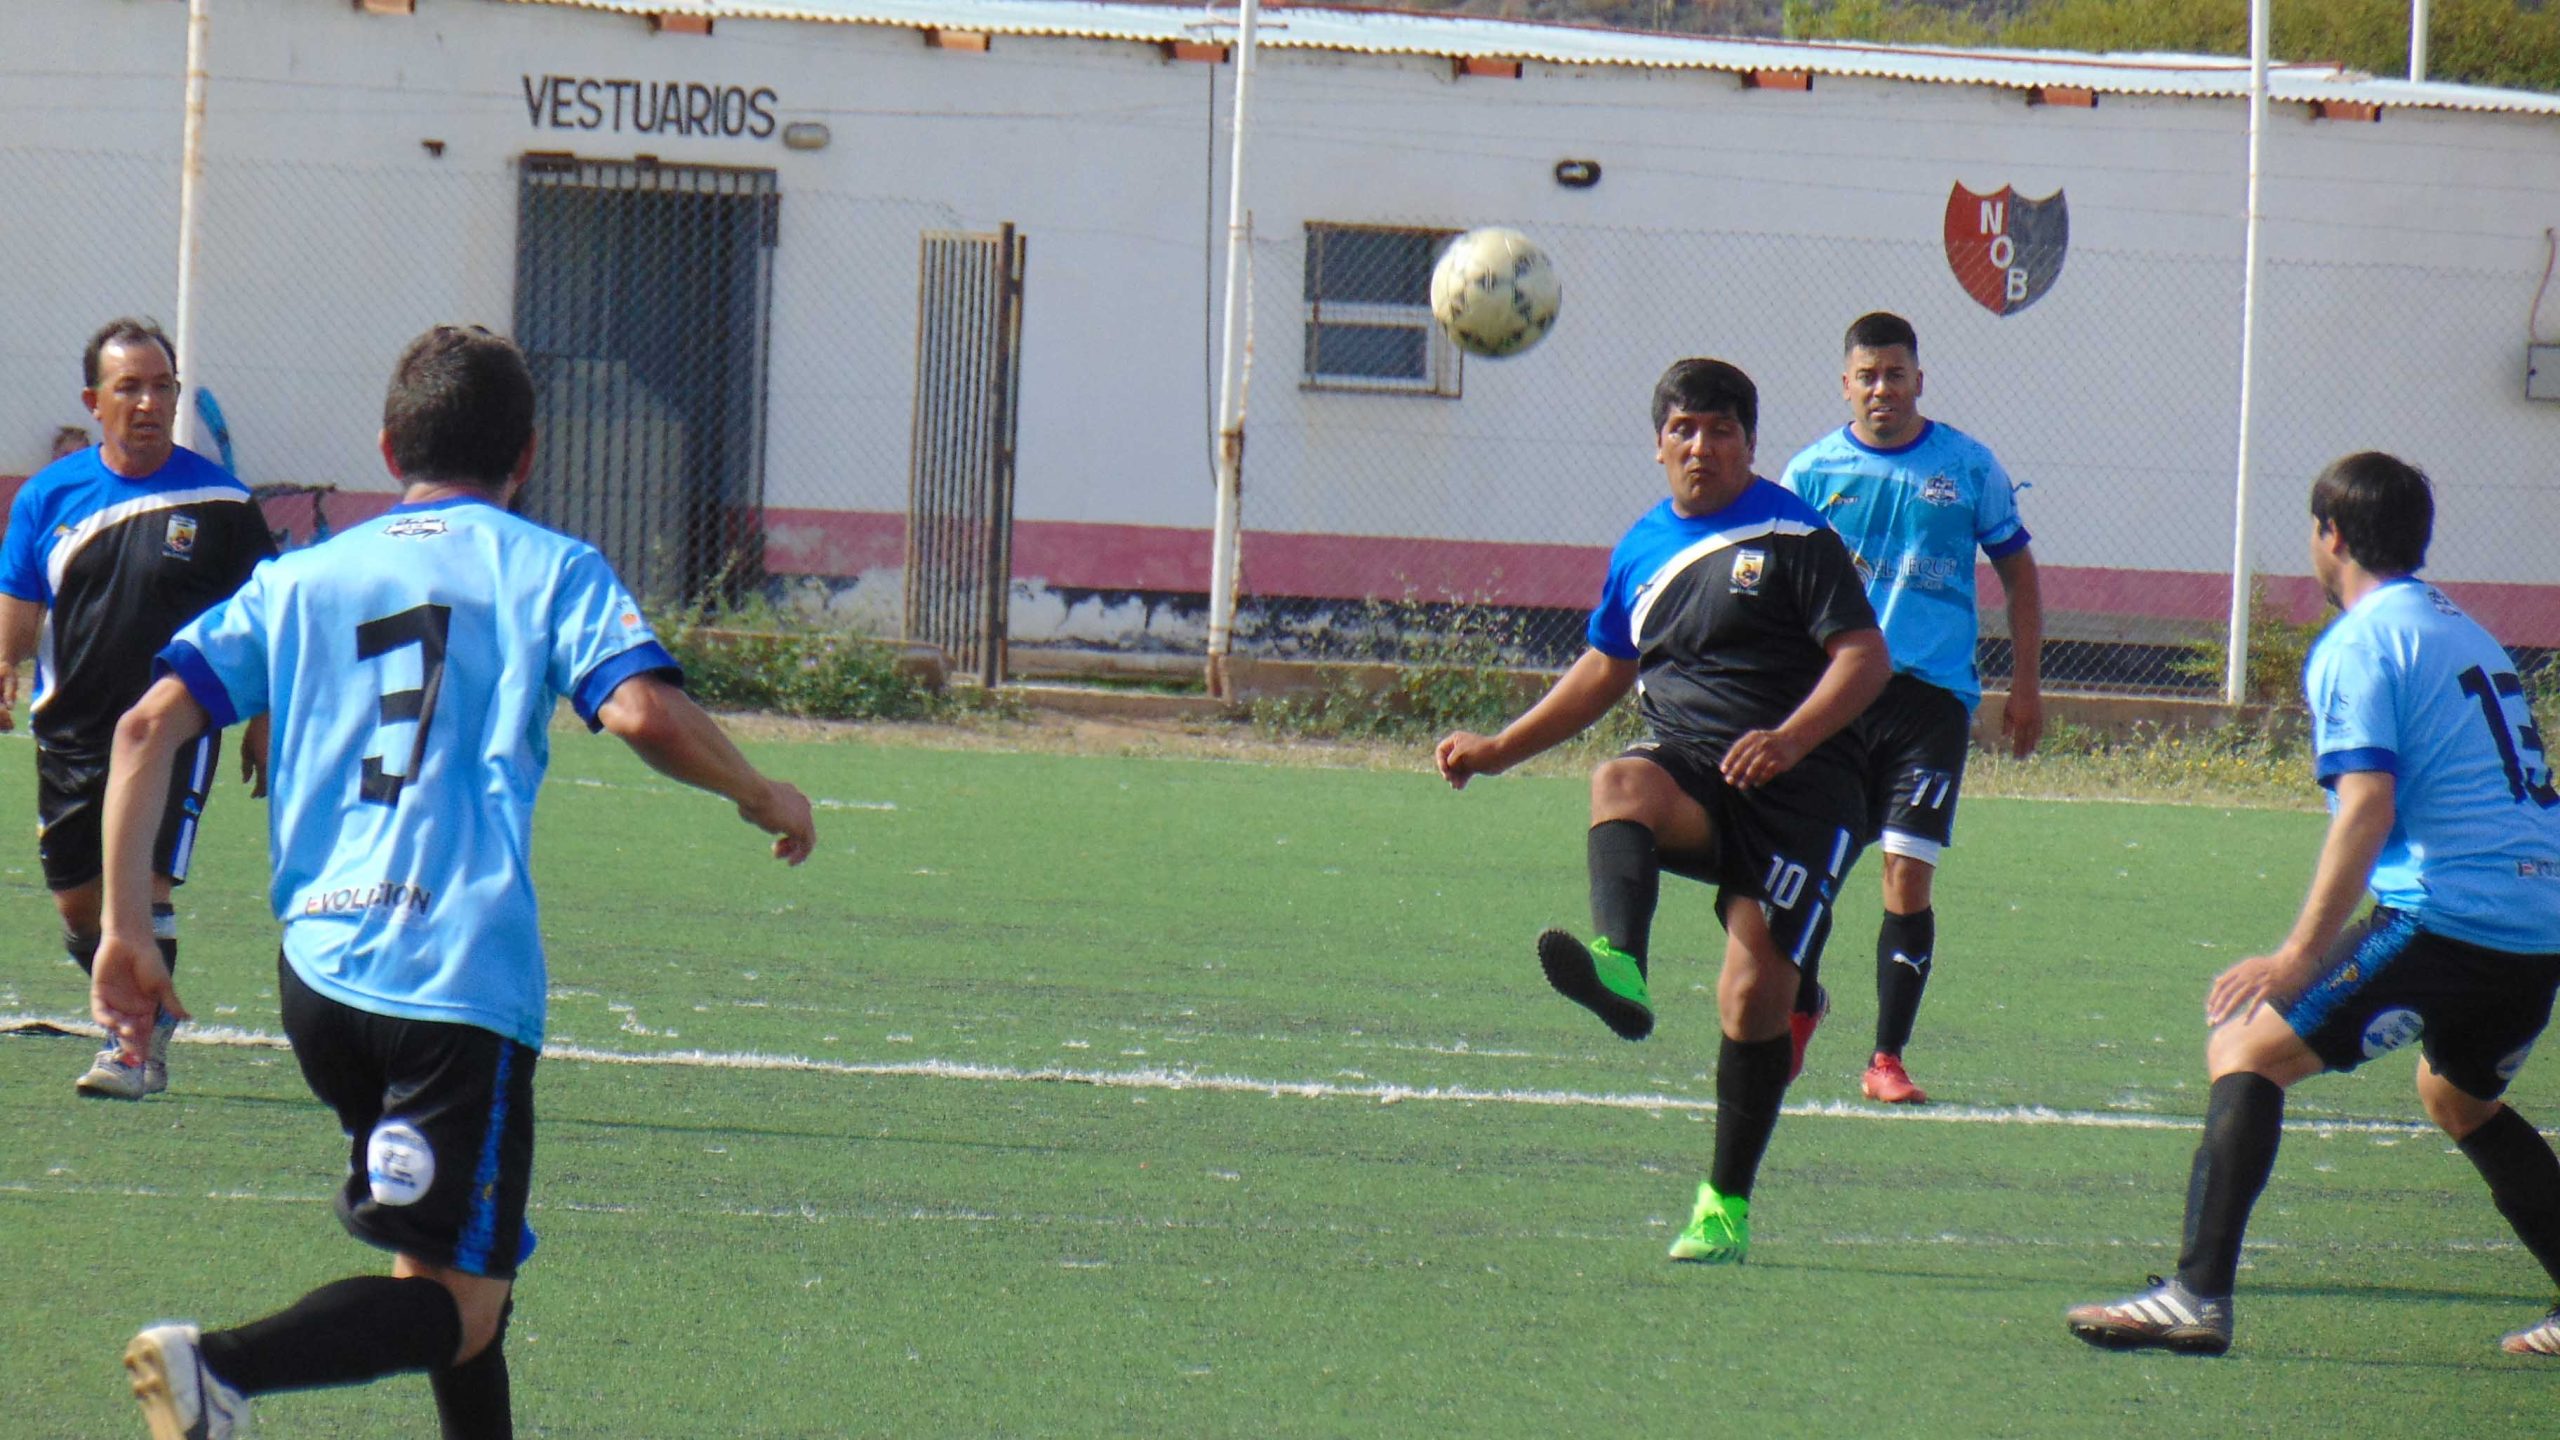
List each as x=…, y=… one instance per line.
x=2510, y=43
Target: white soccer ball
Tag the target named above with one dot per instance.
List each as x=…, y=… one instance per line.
x=1495, y=292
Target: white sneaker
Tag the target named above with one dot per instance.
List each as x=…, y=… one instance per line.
x=112, y=1077
x=181, y=1399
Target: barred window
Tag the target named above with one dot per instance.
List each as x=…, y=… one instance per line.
x=1369, y=325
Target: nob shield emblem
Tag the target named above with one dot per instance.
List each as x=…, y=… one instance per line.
x=2005, y=250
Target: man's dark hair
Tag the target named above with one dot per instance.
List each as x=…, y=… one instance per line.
x=460, y=407
x=2382, y=506
x=123, y=330
x=1881, y=330
x=1707, y=387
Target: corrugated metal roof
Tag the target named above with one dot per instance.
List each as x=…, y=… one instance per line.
x=1381, y=32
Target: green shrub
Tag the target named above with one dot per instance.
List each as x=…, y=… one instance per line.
x=757, y=656
x=2277, y=649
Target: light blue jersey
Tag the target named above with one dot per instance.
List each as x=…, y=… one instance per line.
x=412, y=665
x=2408, y=685
x=1913, y=516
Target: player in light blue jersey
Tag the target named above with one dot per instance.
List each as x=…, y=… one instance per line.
x=411, y=666
x=1915, y=498
x=2441, y=804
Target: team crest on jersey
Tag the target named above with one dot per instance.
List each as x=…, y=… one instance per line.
x=414, y=527
x=1748, y=567
x=1939, y=490
x=179, y=541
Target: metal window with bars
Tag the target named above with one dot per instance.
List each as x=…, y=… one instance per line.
x=1368, y=305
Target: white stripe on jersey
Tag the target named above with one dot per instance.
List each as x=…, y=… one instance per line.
x=96, y=522
x=1697, y=550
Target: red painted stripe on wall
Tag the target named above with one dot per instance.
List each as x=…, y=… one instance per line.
x=1077, y=555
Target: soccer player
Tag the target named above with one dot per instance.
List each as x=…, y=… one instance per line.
x=1736, y=615
x=1914, y=498
x=2441, y=801
x=413, y=665
x=110, y=549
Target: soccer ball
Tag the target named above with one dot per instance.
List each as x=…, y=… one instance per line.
x=1495, y=292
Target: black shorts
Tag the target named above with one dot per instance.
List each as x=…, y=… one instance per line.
x=1916, y=736
x=71, y=799
x=2475, y=1012
x=439, y=1119
x=1786, y=844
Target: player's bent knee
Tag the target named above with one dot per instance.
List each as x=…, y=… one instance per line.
x=2455, y=1111
x=1635, y=790
x=2262, y=1045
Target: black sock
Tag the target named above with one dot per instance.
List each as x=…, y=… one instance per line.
x=2242, y=1126
x=471, y=1398
x=83, y=949
x=344, y=1333
x=1905, y=945
x=2524, y=1179
x=164, y=929
x=1626, y=882
x=1751, y=1080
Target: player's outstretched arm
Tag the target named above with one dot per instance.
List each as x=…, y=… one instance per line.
x=1579, y=698
x=21, y=629
x=2368, y=805
x=2022, y=719
x=129, y=984
x=664, y=727
x=1854, y=678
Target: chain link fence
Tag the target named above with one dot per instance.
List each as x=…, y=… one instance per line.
x=1403, y=501
x=1403, y=498
x=645, y=296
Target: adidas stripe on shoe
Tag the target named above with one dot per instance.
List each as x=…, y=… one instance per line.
x=2168, y=1316
x=2540, y=1338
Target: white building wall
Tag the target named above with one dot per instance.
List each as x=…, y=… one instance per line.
x=2402, y=259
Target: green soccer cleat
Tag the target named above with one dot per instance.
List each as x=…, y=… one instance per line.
x=1602, y=979
x=1719, y=1230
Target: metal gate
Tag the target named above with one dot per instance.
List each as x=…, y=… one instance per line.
x=960, y=474
x=644, y=296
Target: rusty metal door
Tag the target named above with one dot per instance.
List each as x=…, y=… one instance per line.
x=960, y=471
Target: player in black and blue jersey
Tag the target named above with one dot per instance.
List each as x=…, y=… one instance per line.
x=2441, y=804
x=413, y=665
x=1735, y=613
x=110, y=549
x=1915, y=498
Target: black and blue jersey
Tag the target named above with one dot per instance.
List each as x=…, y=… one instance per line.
x=119, y=565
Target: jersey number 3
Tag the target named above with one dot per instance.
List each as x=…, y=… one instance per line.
x=2519, y=744
x=425, y=628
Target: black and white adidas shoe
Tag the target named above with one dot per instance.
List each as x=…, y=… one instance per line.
x=2542, y=1338
x=181, y=1399
x=2168, y=1316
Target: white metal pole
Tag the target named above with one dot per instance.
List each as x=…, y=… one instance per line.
x=2417, y=40
x=2235, y=673
x=190, y=178
x=1231, y=360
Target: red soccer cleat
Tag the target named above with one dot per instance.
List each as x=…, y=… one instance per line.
x=1887, y=1081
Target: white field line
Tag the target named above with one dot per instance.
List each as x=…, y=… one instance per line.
x=1159, y=1078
